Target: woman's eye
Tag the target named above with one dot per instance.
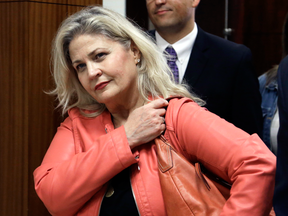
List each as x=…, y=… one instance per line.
x=100, y=55
x=80, y=67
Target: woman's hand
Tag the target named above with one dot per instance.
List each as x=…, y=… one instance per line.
x=146, y=123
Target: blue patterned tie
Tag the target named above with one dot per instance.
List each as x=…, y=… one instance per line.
x=171, y=61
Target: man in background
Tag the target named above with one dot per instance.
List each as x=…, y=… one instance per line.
x=217, y=70
x=280, y=201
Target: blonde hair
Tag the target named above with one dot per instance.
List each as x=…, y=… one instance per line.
x=154, y=76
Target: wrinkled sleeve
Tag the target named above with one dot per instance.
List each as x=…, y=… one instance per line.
x=232, y=154
x=65, y=181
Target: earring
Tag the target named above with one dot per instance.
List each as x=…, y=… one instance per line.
x=138, y=60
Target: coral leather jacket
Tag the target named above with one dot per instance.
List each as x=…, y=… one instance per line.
x=87, y=152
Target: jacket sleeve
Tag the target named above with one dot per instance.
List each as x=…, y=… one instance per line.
x=232, y=154
x=246, y=101
x=65, y=181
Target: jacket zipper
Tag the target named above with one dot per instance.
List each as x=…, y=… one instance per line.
x=102, y=202
x=106, y=130
x=134, y=195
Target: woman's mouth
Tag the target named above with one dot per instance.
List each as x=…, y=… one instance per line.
x=101, y=85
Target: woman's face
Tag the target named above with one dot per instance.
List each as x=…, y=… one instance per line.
x=105, y=68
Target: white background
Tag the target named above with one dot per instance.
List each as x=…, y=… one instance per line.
x=116, y=5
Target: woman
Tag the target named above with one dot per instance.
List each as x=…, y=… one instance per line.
x=268, y=88
x=111, y=79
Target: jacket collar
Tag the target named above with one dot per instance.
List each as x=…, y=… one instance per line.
x=198, y=58
x=273, y=85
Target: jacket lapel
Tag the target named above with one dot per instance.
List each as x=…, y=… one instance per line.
x=152, y=34
x=198, y=60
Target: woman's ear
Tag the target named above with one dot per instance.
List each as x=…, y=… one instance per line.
x=136, y=52
x=195, y=3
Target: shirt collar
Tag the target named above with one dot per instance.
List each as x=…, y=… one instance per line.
x=182, y=47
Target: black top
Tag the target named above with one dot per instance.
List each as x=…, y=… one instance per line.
x=122, y=201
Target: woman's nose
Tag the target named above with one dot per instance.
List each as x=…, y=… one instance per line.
x=94, y=71
x=158, y=2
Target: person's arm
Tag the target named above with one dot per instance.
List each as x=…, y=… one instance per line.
x=246, y=106
x=65, y=181
x=230, y=153
x=280, y=201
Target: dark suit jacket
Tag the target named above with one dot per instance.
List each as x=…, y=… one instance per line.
x=280, y=201
x=221, y=73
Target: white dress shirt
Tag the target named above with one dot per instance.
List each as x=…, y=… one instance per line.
x=182, y=47
x=274, y=131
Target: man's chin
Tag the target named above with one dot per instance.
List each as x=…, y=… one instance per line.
x=167, y=27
